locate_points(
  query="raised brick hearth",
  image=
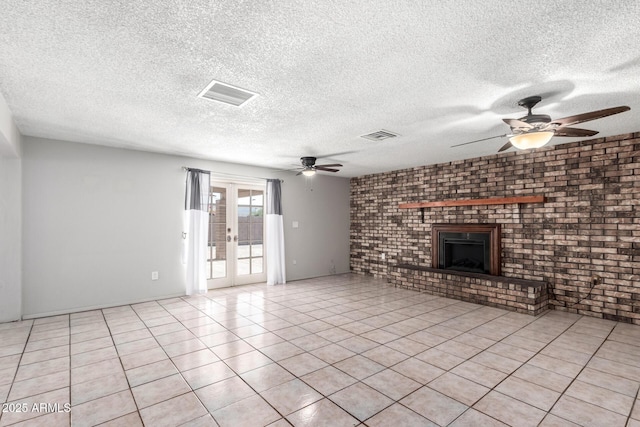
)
(588, 225)
(523, 296)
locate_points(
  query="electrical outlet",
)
(596, 280)
(295, 262)
(154, 275)
(383, 256)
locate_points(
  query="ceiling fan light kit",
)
(525, 141)
(309, 172)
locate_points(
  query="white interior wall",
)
(320, 207)
(10, 239)
(10, 217)
(97, 221)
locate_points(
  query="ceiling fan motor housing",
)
(308, 161)
(536, 120)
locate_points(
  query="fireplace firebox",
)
(472, 248)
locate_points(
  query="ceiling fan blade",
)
(505, 147)
(331, 165)
(564, 131)
(299, 173)
(517, 124)
(341, 153)
(585, 117)
(478, 140)
(320, 168)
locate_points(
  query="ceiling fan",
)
(309, 166)
(536, 130)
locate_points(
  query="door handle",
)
(235, 238)
(228, 238)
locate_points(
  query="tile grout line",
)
(227, 365)
(124, 372)
(509, 375)
(447, 371)
(13, 381)
(576, 378)
(179, 321)
(413, 356)
(172, 362)
(394, 401)
(633, 406)
(300, 379)
(578, 374)
(383, 303)
(273, 361)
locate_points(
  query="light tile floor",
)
(342, 350)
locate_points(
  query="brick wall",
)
(589, 224)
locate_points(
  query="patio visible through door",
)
(236, 235)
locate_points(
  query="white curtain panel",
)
(274, 234)
(196, 226)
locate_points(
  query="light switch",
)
(295, 224)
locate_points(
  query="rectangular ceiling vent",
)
(222, 92)
(380, 135)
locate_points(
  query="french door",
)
(235, 254)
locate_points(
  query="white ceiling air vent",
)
(379, 135)
(222, 92)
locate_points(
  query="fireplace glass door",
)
(472, 248)
(465, 252)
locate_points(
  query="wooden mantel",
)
(474, 202)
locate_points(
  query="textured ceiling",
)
(127, 74)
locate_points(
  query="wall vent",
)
(379, 135)
(222, 92)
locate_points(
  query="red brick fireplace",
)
(587, 225)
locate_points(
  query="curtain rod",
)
(185, 168)
(195, 169)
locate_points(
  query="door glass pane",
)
(244, 250)
(244, 267)
(256, 229)
(250, 231)
(256, 265)
(218, 269)
(244, 197)
(257, 198)
(256, 249)
(217, 246)
(243, 231)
